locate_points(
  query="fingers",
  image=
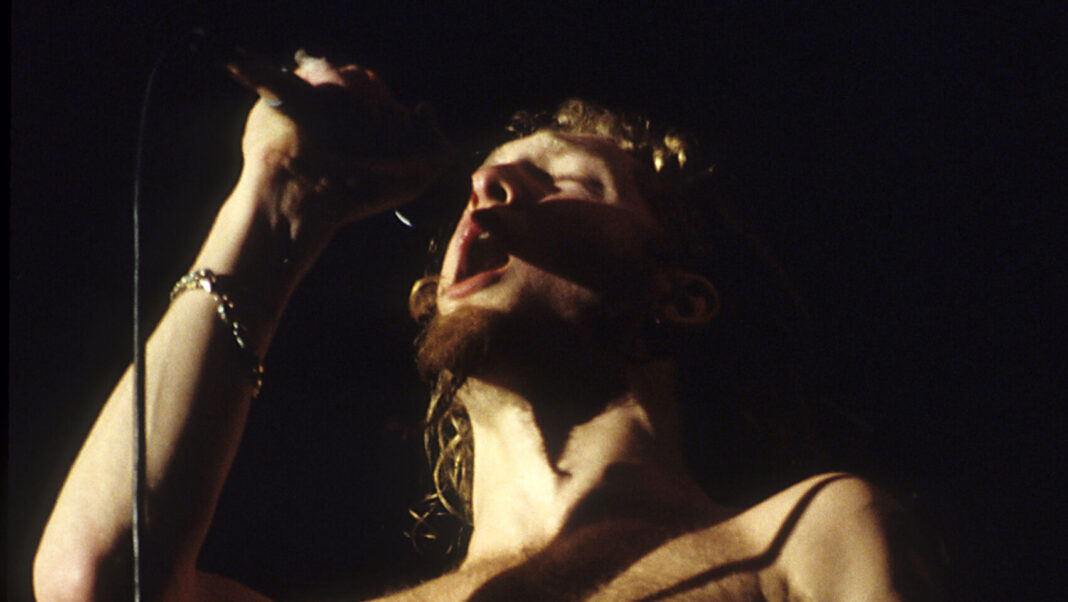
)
(362, 83)
(317, 71)
(346, 132)
(272, 83)
(366, 83)
(269, 82)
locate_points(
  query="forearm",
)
(289, 202)
(198, 389)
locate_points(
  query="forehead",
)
(557, 152)
(594, 160)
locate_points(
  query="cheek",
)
(563, 297)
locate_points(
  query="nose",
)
(508, 183)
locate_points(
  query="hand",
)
(370, 154)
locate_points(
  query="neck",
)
(540, 471)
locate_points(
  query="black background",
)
(901, 160)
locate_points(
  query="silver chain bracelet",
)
(214, 285)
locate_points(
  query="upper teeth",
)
(483, 235)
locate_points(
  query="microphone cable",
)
(139, 344)
(141, 549)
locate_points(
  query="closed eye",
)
(593, 186)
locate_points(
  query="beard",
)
(528, 348)
(458, 343)
(565, 372)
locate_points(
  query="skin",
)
(611, 513)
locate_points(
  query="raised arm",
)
(289, 201)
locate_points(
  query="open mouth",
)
(482, 252)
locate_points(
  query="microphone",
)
(327, 113)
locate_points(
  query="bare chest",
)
(707, 565)
(714, 564)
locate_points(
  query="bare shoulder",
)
(830, 537)
(824, 505)
(837, 536)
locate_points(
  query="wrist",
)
(287, 204)
(261, 241)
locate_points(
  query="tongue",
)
(485, 253)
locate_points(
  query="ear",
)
(688, 300)
(422, 300)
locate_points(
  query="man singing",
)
(550, 341)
